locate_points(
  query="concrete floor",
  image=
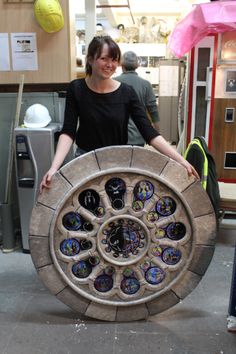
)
(32, 321)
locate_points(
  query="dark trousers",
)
(232, 300)
(79, 152)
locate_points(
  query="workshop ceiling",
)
(127, 11)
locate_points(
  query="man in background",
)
(144, 90)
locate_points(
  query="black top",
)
(103, 117)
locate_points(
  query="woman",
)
(103, 106)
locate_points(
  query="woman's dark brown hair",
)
(95, 49)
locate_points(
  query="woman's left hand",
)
(190, 169)
(165, 148)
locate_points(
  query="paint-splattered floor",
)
(32, 321)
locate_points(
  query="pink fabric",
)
(204, 19)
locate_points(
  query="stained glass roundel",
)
(121, 233)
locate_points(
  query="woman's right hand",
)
(46, 181)
(63, 147)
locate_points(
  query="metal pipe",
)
(130, 12)
(118, 6)
(105, 6)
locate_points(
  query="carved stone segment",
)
(51, 197)
(201, 259)
(132, 313)
(162, 303)
(101, 312)
(73, 300)
(206, 229)
(80, 168)
(118, 157)
(186, 284)
(198, 200)
(177, 175)
(51, 279)
(40, 220)
(40, 252)
(148, 160)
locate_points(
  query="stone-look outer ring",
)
(104, 173)
(118, 159)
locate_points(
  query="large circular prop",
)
(122, 234)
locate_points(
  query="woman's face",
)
(104, 66)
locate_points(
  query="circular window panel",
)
(123, 233)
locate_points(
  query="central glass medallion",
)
(123, 239)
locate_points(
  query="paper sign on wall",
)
(4, 52)
(24, 51)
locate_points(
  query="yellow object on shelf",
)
(49, 15)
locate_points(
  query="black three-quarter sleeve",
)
(71, 112)
(140, 118)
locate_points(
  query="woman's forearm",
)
(160, 144)
(63, 147)
(165, 148)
